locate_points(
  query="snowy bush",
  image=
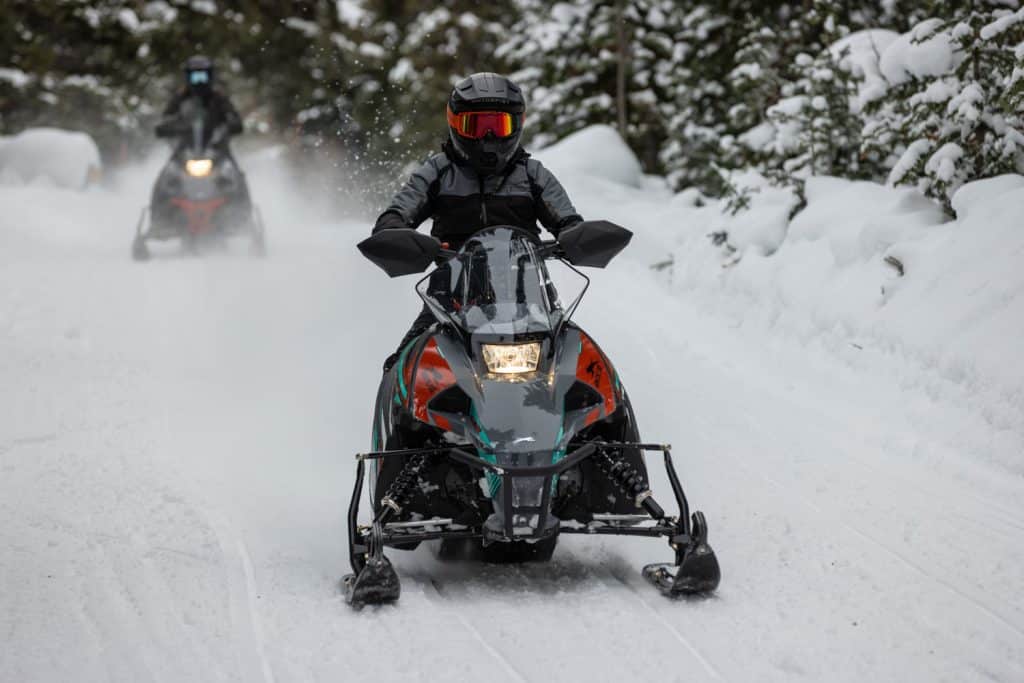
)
(596, 151)
(954, 112)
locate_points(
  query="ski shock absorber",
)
(628, 480)
(400, 491)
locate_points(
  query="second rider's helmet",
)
(199, 74)
(485, 121)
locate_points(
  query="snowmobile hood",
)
(525, 420)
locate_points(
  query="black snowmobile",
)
(201, 195)
(505, 425)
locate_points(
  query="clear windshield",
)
(196, 119)
(496, 285)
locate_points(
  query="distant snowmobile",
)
(505, 425)
(201, 194)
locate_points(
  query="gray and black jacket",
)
(461, 202)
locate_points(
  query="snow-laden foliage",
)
(921, 93)
(583, 61)
(954, 113)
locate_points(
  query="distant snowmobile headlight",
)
(510, 359)
(199, 168)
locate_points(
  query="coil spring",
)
(400, 490)
(621, 473)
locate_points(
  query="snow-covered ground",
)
(177, 437)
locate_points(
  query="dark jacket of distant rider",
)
(222, 119)
(482, 178)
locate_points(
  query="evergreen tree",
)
(965, 124)
(702, 58)
(436, 48)
(599, 61)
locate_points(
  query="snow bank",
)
(50, 156)
(871, 267)
(595, 151)
(858, 221)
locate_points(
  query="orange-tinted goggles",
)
(477, 124)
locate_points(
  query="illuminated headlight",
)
(199, 168)
(509, 359)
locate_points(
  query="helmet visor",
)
(198, 77)
(477, 124)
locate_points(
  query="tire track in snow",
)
(876, 477)
(248, 629)
(593, 574)
(711, 669)
(434, 592)
(838, 521)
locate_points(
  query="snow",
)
(921, 52)
(351, 13)
(862, 51)
(942, 164)
(910, 157)
(16, 77)
(208, 7)
(596, 151)
(176, 448)
(1001, 24)
(310, 29)
(49, 156)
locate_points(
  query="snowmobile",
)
(504, 425)
(201, 195)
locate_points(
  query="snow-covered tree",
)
(960, 119)
(600, 61)
(701, 60)
(439, 46)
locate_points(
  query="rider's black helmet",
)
(199, 74)
(485, 121)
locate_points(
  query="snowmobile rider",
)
(222, 118)
(482, 178)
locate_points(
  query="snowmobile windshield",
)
(496, 286)
(196, 129)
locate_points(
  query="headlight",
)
(509, 359)
(199, 168)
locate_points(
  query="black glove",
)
(389, 220)
(219, 134)
(167, 128)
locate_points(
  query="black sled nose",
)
(696, 568)
(377, 583)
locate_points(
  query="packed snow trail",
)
(176, 459)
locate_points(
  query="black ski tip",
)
(376, 584)
(699, 574)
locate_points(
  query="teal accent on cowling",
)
(493, 483)
(493, 480)
(557, 454)
(401, 368)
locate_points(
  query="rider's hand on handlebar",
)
(389, 221)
